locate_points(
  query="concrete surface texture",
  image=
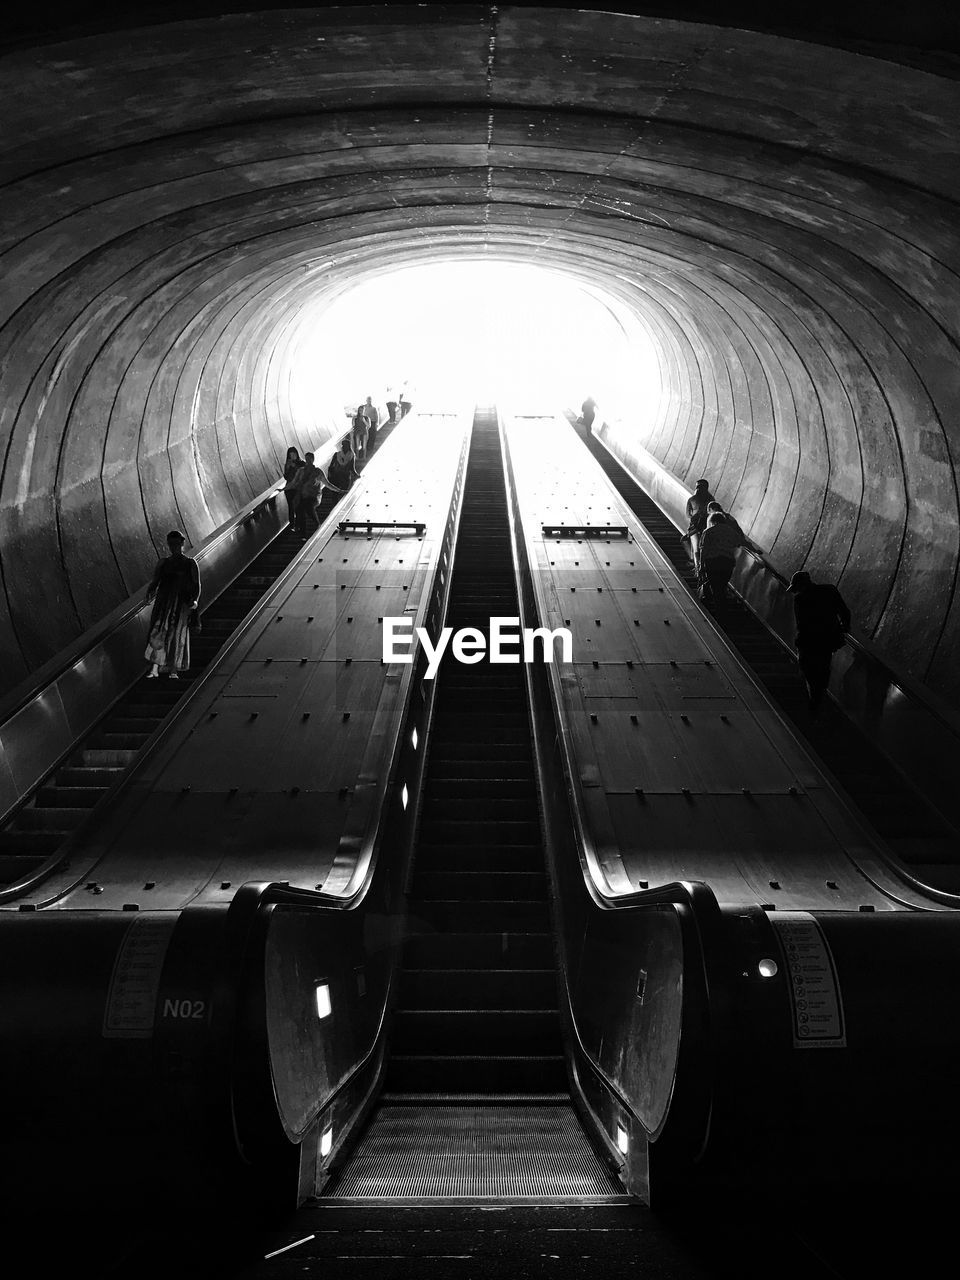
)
(181, 200)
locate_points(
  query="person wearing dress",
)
(175, 592)
(361, 428)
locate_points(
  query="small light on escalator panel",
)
(326, 1141)
(623, 1139)
(324, 1005)
(405, 795)
(414, 739)
(768, 968)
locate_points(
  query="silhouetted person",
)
(405, 404)
(822, 618)
(588, 411)
(291, 466)
(175, 591)
(717, 556)
(359, 433)
(342, 467)
(372, 415)
(715, 506)
(391, 406)
(697, 517)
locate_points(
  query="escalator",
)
(476, 1105)
(923, 841)
(474, 1152)
(35, 832)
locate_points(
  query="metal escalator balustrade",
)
(476, 1104)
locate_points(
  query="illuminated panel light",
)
(324, 1005)
(326, 1141)
(414, 739)
(768, 968)
(623, 1139)
(405, 795)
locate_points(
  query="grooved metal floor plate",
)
(503, 1154)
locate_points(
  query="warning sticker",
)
(814, 990)
(132, 998)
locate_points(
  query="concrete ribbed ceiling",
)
(780, 215)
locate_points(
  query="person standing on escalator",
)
(359, 433)
(822, 619)
(175, 592)
(717, 556)
(372, 415)
(697, 517)
(291, 466)
(311, 483)
(342, 467)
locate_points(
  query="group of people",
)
(175, 587)
(304, 481)
(820, 612)
(395, 401)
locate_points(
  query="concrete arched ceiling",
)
(179, 199)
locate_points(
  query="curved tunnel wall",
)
(779, 217)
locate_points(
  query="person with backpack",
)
(716, 556)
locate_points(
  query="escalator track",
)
(476, 1104)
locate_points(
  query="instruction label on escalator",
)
(132, 999)
(815, 1001)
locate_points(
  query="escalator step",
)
(491, 1073)
(477, 988)
(478, 857)
(438, 830)
(493, 950)
(36, 818)
(57, 797)
(477, 1031)
(476, 916)
(476, 1152)
(469, 885)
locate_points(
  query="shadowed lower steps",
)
(513, 1153)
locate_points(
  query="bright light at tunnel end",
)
(478, 330)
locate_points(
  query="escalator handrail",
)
(695, 898)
